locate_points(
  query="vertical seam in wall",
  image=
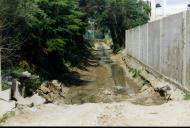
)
(126, 46)
(147, 43)
(160, 69)
(139, 43)
(184, 48)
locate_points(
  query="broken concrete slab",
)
(5, 95)
(6, 107)
(24, 102)
(36, 100)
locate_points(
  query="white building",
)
(161, 8)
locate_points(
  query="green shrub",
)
(135, 72)
(30, 84)
(187, 96)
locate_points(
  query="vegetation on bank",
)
(47, 36)
(187, 96)
(44, 35)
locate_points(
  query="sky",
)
(175, 2)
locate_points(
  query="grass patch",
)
(187, 96)
(6, 116)
(135, 72)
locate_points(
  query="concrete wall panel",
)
(172, 47)
(136, 43)
(144, 44)
(154, 45)
(164, 45)
(187, 52)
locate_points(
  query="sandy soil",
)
(173, 113)
(113, 114)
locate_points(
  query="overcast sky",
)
(174, 2)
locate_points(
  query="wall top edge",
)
(158, 19)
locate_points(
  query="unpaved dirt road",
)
(94, 113)
(113, 114)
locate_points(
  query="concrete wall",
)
(164, 45)
(186, 76)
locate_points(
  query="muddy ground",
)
(110, 96)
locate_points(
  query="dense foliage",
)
(117, 16)
(45, 35)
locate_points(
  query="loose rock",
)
(53, 92)
(36, 100)
(144, 88)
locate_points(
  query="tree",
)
(46, 35)
(7, 42)
(62, 36)
(92, 7)
(118, 16)
(17, 18)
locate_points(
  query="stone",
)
(25, 103)
(44, 84)
(26, 74)
(33, 109)
(36, 100)
(119, 87)
(166, 88)
(64, 89)
(48, 98)
(45, 90)
(108, 92)
(53, 92)
(149, 101)
(56, 83)
(162, 86)
(147, 93)
(144, 88)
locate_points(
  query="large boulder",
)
(53, 92)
